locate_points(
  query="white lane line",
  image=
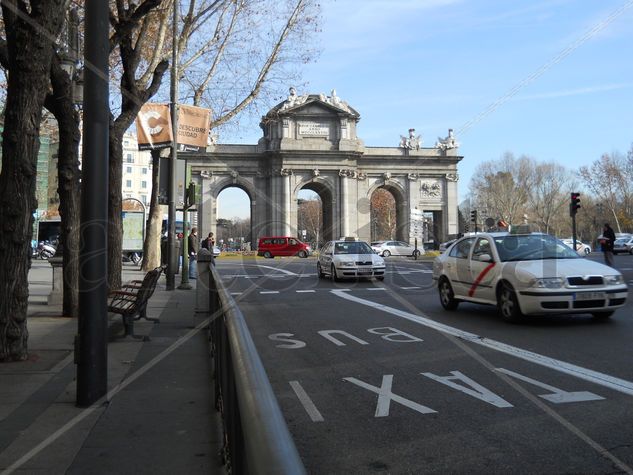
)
(269, 292)
(305, 291)
(410, 288)
(595, 377)
(236, 293)
(376, 288)
(308, 405)
(287, 272)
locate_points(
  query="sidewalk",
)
(159, 417)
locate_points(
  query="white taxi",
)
(349, 258)
(526, 274)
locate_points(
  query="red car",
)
(270, 247)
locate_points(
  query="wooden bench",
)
(131, 301)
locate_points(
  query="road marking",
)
(305, 291)
(611, 382)
(385, 396)
(236, 293)
(558, 396)
(410, 288)
(287, 272)
(376, 288)
(470, 387)
(269, 292)
(308, 405)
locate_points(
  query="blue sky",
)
(549, 79)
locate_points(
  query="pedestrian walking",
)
(193, 246)
(608, 238)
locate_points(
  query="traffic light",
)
(574, 205)
(190, 195)
(473, 216)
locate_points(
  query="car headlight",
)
(613, 279)
(346, 264)
(547, 283)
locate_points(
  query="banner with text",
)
(193, 127)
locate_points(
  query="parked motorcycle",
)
(45, 250)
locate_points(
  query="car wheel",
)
(386, 253)
(333, 275)
(447, 297)
(508, 305)
(320, 271)
(268, 255)
(602, 315)
(416, 253)
(587, 251)
(631, 251)
(380, 277)
(303, 254)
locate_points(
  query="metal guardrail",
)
(257, 439)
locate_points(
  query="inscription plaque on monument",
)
(318, 129)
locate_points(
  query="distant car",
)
(270, 247)
(216, 251)
(396, 248)
(526, 274)
(446, 245)
(623, 245)
(348, 258)
(581, 248)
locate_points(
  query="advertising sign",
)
(193, 127)
(153, 127)
(133, 230)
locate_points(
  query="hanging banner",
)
(193, 127)
(153, 127)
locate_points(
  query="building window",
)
(144, 171)
(128, 169)
(128, 183)
(143, 184)
(144, 199)
(129, 158)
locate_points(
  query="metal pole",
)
(172, 260)
(91, 342)
(184, 278)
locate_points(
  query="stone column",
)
(451, 225)
(343, 174)
(285, 201)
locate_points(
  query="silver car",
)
(623, 245)
(347, 258)
(396, 248)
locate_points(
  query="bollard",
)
(56, 297)
(204, 275)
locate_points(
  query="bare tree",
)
(610, 179)
(232, 55)
(310, 218)
(501, 187)
(383, 215)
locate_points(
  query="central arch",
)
(326, 196)
(401, 206)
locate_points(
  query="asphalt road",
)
(376, 377)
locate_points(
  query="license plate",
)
(364, 271)
(590, 296)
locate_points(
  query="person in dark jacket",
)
(193, 246)
(608, 238)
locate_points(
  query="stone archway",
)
(401, 207)
(326, 195)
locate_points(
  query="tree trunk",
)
(115, 221)
(29, 46)
(60, 103)
(151, 246)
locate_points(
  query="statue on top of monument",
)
(293, 99)
(412, 142)
(448, 142)
(334, 100)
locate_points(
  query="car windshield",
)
(532, 247)
(352, 248)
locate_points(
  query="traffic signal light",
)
(574, 205)
(473, 216)
(190, 195)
